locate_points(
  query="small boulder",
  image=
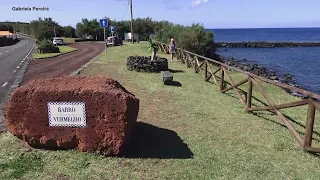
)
(274, 78)
(110, 110)
(167, 77)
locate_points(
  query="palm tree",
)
(154, 47)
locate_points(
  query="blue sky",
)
(212, 13)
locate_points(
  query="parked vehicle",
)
(114, 41)
(57, 41)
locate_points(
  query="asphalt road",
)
(12, 59)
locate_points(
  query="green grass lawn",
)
(69, 40)
(187, 132)
(63, 49)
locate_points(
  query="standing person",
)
(172, 48)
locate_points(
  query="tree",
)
(68, 31)
(6, 27)
(95, 28)
(45, 28)
(192, 38)
(89, 27)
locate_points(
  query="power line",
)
(126, 10)
(131, 18)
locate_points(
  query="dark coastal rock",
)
(288, 76)
(263, 72)
(274, 78)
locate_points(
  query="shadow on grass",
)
(173, 83)
(290, 119)
(175, 71)
(261, 115)
(149, 141)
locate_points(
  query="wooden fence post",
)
(183, 60)
(249, 94)
(177, 54)
(187, 59)
(222, 79)
(309, 124)
(206, 70)
(195, 64)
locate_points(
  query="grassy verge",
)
(187, 132)
(63, 50)
(69, 40)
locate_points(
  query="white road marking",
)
(18, 67)
(29, 52)
(20, 63)
(8, 51)
(14, 71)
(12, 49)
(4, 84)
(24, 43)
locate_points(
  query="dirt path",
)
(63, 65)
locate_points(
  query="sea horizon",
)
(301, 62)
(265, 28)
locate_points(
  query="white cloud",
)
(196, 3)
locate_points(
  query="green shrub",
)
(45, 43)
(191, 38)
(46, 46)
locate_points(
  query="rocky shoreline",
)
(265, 44)
(263, 71)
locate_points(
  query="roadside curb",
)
(56, 55)
(78, 71)
(15, 84)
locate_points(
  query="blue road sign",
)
(112, 28)
(103, 23)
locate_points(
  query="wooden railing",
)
(200, 63)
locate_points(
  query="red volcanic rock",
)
(111, 113)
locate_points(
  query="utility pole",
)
(105, 41)
(132, 35)
(70, 31)
(54, 30)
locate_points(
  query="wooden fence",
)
(200, 63)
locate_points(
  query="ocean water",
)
(268, 34)
(302, 62)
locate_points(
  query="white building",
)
(127, 37)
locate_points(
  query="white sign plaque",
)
(67, 114)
